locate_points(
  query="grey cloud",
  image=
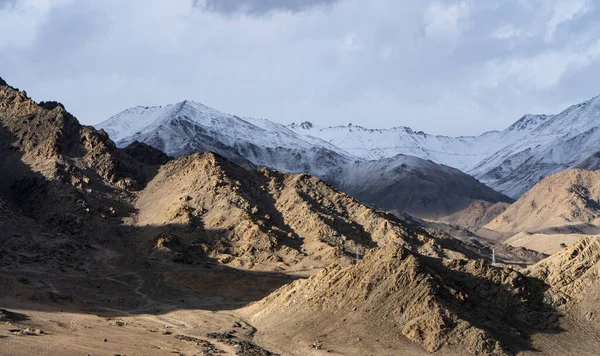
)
(257, 7)
(7, 3)
(367, 62)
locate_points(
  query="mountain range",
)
(110, 250)
(401, 182)
(510, 161)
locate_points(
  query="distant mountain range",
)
(399, 182)
(510, 161)
(396, 169)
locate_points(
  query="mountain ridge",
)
(510, 161)
(126, 250)
(186, 127)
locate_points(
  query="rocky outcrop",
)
(53, 142)
(433, 302)
(574, 279)
(264, 216)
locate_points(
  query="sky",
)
(452, 67)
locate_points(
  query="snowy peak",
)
(306, 125)
(528, 122)
(189, 118)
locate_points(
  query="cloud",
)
(565, 11)
(441, 66)
(7, 3)
(508, 32)
(543, 70)
(257, 7)
(446, 21)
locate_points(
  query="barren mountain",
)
(266, 217)
(446, 305)
(476, 215)
(566, 199)
(573, 277)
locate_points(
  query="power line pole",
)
(493, 257)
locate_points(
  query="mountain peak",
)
(528, 122)
(305, 125)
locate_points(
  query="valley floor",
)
(165, 309)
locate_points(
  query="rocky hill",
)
(265, 217)
(573, 277)
(566, 199)
(442, 305)
(476, 215)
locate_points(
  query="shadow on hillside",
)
(59, 258)
(511, 312)
(136, 281)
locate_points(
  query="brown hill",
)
(476, 215)
(127, 251)
(60, 178)
(446, 305)
(254, 218)
(574, 279)
(568, 198)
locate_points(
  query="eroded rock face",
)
(262, 216)
(168, 247)
(433, 302)
(47, 134)
(574, 279)
(58, 180)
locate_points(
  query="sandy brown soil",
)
(545, 243)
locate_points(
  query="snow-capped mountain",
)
(462, 152)
(555, 143)
(188, 127)
(510, 161)
(403, 183)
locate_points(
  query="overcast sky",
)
(452, 67)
